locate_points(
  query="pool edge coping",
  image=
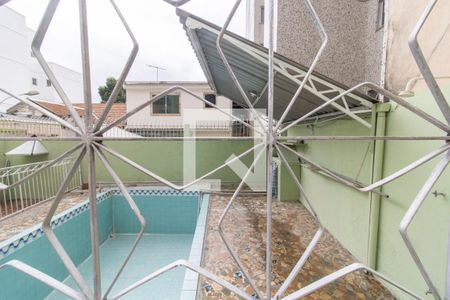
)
(191, 278)
(26, 236)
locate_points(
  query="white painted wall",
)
(192, 110)
(70, 80)
(14, 72)
(255, 30)
(18, 67)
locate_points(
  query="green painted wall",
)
(165, 158)
(345, 212)
(339, 207)
(287, 188)
(55, 149)
(429, 230)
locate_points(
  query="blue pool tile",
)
(172, 221)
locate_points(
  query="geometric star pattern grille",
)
(89, 134)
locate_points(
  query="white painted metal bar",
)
(187, 265)
(119, 84)
(324, 41)
(261, 93)
(42, 127)
(392, 97)
(380, 183)
(290, 139)
(316, 285)
(174, 138)
(167, 182)
(44, 278)
(411, 213)
(91, 134)
(201, 129)
(43, 111)
(31, 187)
(53, 239)
(36, 49)
(41, 138)
(88, 130)
(45, 167)
(233, 253)
(271, 139)
(423, 65)
(228, 66)
(315, 240)
(136, 212)
(177, 3)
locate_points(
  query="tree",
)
(106, 90)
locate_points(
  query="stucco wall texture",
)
(355, 46)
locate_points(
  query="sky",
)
(162, 40)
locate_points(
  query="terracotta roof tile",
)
(117, 110)
(59, 109)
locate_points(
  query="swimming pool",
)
(175, 230)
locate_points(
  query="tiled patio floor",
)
(293, 228)
(35, 215)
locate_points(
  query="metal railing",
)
(200, 129)
(41, 187)
(13, 126)
(40, 127)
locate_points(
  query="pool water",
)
(154, 252)
(175, 230)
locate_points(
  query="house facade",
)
(23, 120)
(179, 111)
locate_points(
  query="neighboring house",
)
(367, 40)
(70, 80)
(21, 117)
(178, 111)
(18, 126)
(59, 109)
(19, 70)
(116, 111)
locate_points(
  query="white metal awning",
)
(249, 62)
(30, 148)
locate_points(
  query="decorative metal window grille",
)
(89, 136)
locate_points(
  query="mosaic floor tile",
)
(293, 228)
(35, 215)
